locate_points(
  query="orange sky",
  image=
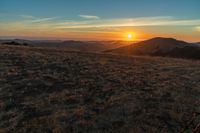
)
(100, 19)
(101, 29)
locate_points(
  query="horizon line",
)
(84, 39)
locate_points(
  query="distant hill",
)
(161, 47)
(15, 43)
(197, 44)
(87, 46)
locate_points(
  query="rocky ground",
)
(49, 90)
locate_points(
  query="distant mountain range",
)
(88, 46)
(161, 47)
(197, 44)
(158, 46)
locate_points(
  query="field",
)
(49, 90)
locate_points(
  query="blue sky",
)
(106, 18)
(103, 8)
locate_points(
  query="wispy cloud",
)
(134, 22)
(60, 26)
(89, 17)
(27, 16)
(198, 28)
(38, 20)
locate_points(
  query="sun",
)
(130, 36)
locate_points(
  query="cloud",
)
(38, 20)
(132, 22)
(89, 17)
(74, 22)
(198, 28)
(27, 16)
(59, 24)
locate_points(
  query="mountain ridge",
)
(160, 46)
(74, 45)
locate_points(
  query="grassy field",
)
(49, 90)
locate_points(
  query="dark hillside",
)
(50, 90)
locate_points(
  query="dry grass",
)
(48, 90)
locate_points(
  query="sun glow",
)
(129, 36)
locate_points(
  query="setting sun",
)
(130, 36)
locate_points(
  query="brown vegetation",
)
(166, 47)
(49, 90)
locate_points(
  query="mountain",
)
(197, 44)
(15, 43)
(71, 45)
(159, 46)
(87, 46)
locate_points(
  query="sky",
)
(100, 19)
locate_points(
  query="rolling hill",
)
(161, 47)
(70, 45)
(197, 44)
(50, 90)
